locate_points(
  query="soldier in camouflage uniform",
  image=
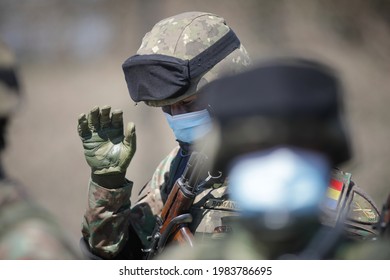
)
(176, 59)
(26, 230)
(277, 141)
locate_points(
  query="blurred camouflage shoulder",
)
(368, 250)
(239, 245)
(346, 202)
(28, 231)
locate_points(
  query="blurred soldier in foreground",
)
(176, 59)
(26, 230)
(279, 130)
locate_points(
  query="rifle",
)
(172, 225)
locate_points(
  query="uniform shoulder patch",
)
(336, 191)
(335, 197)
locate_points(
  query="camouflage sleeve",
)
(108, 215)
(106, 219)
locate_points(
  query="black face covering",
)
(158, 77)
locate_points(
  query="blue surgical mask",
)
(189, 127)
(288, 180)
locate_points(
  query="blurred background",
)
(70, 55)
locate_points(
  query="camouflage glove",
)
(107, 150)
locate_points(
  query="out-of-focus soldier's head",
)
(280, 102)
(10, 93)
(278, 132)
(177, 58)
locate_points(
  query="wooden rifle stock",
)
(172, 225)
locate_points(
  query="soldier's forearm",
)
(106, 219)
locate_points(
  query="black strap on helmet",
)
(207, 59)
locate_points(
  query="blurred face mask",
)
(279, 183)
(190, 126)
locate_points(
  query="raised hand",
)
(107, 148)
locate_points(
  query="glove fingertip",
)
(130, 133)
(82, 117)
(131, 127)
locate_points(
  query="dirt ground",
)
(45, 152)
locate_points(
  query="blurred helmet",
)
(194, 48)
(283, 102)
(9, 85)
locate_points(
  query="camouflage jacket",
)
(110, 224)
(109, 216)
(27, 231)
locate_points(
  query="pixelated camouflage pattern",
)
(9, 99)
(150, 201)
(106, 218)
(27, 231)
(186, 35)
(107, 231)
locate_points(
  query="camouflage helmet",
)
(9, 86)
(186, 35)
